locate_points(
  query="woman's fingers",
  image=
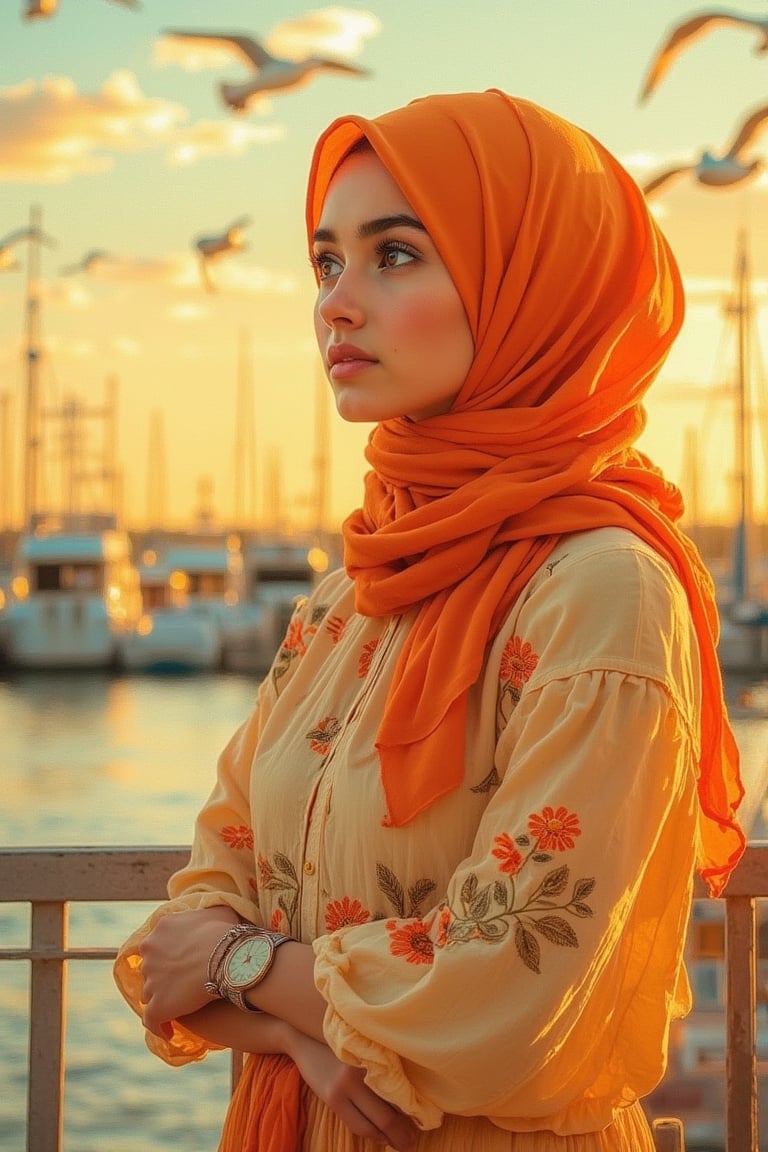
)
(344, 1090)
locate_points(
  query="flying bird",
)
(8, 261)
(95, 256)
(719, 171)
(273, 73)
(694, 29)
(41, 9)
(213, 247)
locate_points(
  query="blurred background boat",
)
(74, 594)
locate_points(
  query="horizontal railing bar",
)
(87, 874)
(750, 876)
(58, 953)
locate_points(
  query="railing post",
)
(741, 1036)
(46, 1030)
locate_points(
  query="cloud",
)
(181, 271)
(326, 31)
(50, 132)
(218, 138)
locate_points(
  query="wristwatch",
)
(240, 961)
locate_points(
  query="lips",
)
(339, 353)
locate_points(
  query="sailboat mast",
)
(742, 308)
(32, 356)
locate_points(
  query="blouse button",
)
(309, 868)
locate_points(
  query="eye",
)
(393, 253)
(325, 264)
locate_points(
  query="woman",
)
(461, 824)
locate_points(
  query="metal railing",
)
(50, 879)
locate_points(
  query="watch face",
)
(247, 959)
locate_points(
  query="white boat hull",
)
(172, 640)
(60, 631)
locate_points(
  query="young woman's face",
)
(391, 328)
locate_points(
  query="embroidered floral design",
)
(366, 656)
(490, 912)
(237, 837)
(412, 941)
(279, 875)
(554, 829)
(418, 892)
(518, 663)
(335, 628)
(295, 641)
(505, 850)
(322, 737)
(276, 920)
(340, 913)
(492, 780)
(319, 612)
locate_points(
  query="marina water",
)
(100, 760)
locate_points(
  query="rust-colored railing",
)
(50, 879)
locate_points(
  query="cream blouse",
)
(515, 952)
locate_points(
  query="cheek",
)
(429, 320)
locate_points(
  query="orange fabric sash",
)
(265, 1113)
(573, 298)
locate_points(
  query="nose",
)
(340, 301)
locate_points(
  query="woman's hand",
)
(344, 1090)
(174, 964)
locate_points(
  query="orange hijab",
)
(573, 298)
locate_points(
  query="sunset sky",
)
(122, 141)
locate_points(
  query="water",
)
(94, 760)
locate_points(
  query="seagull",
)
(42, 9)
(273, 73)
(719, 171)
(213, 247)
(694, 29)
(7, 260)
(95, 256)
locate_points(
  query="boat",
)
(171, 637)
(278, 573)
(74, 593)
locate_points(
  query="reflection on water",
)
(90, 759)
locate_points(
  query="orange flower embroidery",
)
(335, 628)
(294, 637)
(443, 924)
(505, 851)
(554, 829)
(265, 870)
(340, 913)
(240, 837)
(412, 941)
(518, 662)
(321, 737)
(276, 921)
(366, 656)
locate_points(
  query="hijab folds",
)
(573, 298)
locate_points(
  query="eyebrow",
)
(373, 227)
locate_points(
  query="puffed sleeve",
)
(539, 990)
(220, 871)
